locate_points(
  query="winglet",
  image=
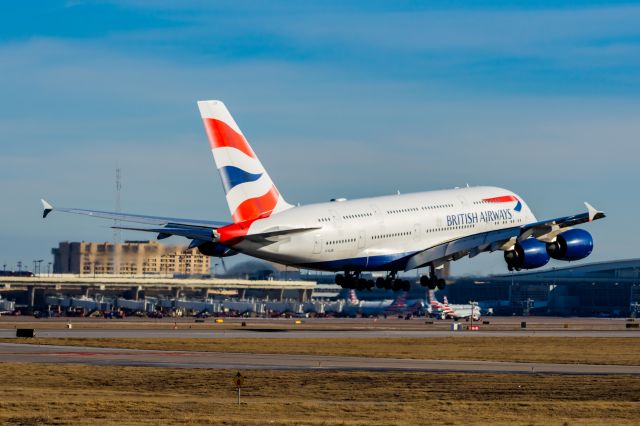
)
(593, 213)
(46, 208)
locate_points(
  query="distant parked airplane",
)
(399, 305)
(462, 311)
(390, 233)
(445, 310)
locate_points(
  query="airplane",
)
(381, 307)
(462, 311)
(436, 308)
(456, 312)
(355, 306)
(392, 233)
(406, 306)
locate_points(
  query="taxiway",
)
(10, 352)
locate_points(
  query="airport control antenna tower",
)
(117, 233)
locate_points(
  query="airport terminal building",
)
(128, 258)
(603, 288)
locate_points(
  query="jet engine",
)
(573, 244)
(527, 254)
(212, 249)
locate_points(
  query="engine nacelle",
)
(573, 244)
(527, 254)
(212, 249)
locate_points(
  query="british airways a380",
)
(392, 233)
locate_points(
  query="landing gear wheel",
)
(388, 284)
(424, 281)
(406, 285)
(441, 284)
(380, 282)
(362, 284)
(433, 282)
(340, 279)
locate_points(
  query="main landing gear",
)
(352, 280)
(432, 281)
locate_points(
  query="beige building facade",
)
(128, 258)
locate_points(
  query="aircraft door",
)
(377, 214)
(335, 217)
(416, 231)
(317, 244)
(361, 239)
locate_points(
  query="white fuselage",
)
(381, 233)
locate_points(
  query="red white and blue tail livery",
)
(250, 192)
(390, 233)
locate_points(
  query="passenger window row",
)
(397, 234)
(449, 228)
(416, 209)
(357, 215)
(348, 240)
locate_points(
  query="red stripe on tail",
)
(255, 208)
(221, 135)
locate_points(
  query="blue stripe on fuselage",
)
(387, 262)
(232, 176)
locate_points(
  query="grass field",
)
(601, 350)
(76, 394)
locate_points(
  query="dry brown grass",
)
(573, 350)
(78, 394)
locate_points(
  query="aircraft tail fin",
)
(432, 299)
(250, 192)
(399, 302)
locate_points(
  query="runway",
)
(200, 333)
(10, 352)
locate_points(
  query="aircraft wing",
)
(170, 222)
(538, 229)
(473, 245)
(460, 247)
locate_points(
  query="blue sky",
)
(337, 98)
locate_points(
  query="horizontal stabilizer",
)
(136, 218)
(193, 233)
(46, 208)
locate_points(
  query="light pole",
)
(19, 265)
(49, 269)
